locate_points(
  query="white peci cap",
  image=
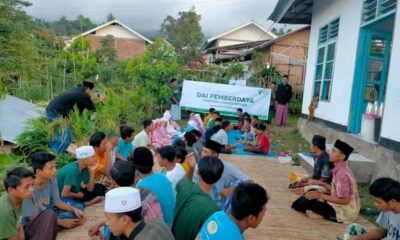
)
(84, 152)
(122, 199)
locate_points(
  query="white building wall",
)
(324, 11)
(391, 116)
(249, 33)
(116, 31)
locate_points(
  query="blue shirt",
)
(162, 188)
(231, 177)
(124, 149)
(219, 226)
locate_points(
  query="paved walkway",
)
(280, 222)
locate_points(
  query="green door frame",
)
(358, 105)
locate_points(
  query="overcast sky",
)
(147, 15)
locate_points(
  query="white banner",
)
(201, 96)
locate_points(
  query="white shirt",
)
(141, 139)
(220, 137)
(176, 174)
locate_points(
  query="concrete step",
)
(362, 167)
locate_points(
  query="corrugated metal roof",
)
(292, 12)
(14, 112)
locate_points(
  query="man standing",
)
(175, 99)
(283, 97)
(62, 105)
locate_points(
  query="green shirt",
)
(9, 218)
(193, 207)
(211, 123)
(70, 175)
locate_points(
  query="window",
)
(374, 9)
(325, 60)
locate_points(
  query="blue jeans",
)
(62, 139)
(69, 215)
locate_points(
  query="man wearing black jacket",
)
(283, 96)
(62, 105)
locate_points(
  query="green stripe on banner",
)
(223, 113)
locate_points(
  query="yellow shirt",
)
(102, 159)
(206, 119)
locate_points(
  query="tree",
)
(184, 33)
(108, 59)
(110, 17)
(154, 70)
(280, 31)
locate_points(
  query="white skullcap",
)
(122, 199)
(84, 152)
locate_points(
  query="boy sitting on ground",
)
(123, 211)
(386, 193)
(158, 183)
(47, 196)
(248, 209)
(322, 172)
(166, 159)
(263, 143)
(76, 180)
(103, 153)
(193, 202)
(222, 137)
(125, 148)
(121, 174)
(343, 203)
(18, 184)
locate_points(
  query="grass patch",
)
(288, 139)
(366, 199)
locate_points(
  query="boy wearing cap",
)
(322, 172)
(222, 190)
(46, 196)
(123, 211)
(121, 174)
(248, 209)
(76, 180)
(343, 203)
(158, 183)
(193, 202)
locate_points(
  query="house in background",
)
(234, 42)
(128, 43)
(288, 53)
(353, 61)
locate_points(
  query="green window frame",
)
(375, 9)
(326, 53)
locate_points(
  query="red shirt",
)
(263, 143)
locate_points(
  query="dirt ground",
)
(280, 222)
